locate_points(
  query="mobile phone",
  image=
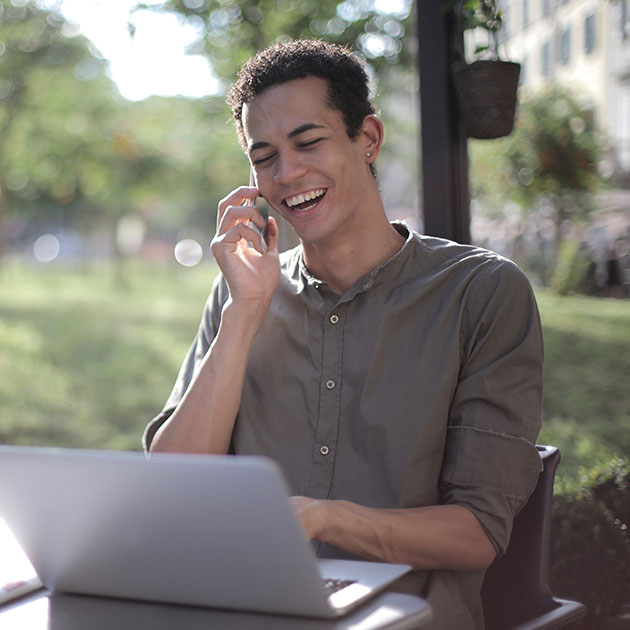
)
(263, 212)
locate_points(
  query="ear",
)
(371, 137)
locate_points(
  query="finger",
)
(271, 234)
(239, 214)
(237, 197)
(240, 232)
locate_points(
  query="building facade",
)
(583, 45)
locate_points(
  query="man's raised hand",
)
(252, 272)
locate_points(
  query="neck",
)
(341, 264)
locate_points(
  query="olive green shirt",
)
(420, 385)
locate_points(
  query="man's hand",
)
(433, 537)
(251, 272)
(309, 514)
(203, 421)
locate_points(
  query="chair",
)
(515, 592)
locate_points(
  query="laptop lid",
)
(192, 529)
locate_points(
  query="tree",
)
(553, 156)
(41, 63)
(231, 31)
(548, 168)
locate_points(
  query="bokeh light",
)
(46, 248)
(188, 252)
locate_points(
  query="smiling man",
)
(395, 377)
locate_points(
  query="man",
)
(396, 378)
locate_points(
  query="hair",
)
(348, 83)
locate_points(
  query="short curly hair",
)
(348, 82)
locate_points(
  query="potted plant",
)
(486, 88)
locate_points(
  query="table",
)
(43, 610)
(63, 611)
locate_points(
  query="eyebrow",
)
(296, 132)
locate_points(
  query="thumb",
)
(272, 234)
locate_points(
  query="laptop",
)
(201, 530)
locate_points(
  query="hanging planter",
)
(487, 94)
(487, 88)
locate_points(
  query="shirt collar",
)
(383, 271)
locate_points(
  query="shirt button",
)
(334, 319)
(324, 450)
(330, 384)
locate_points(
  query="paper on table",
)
(17, 576)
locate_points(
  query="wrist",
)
(327, 522)
(246, 312)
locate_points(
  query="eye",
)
(262, 160)
(309, 143)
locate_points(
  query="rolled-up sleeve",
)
(491, 465)
(210, 320)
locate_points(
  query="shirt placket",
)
(327, 429)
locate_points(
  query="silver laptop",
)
(213, 531)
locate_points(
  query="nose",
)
(289, 167)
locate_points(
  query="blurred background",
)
(116, 146)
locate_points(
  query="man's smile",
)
(304, 201)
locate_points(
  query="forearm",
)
(435, 537)
(203, 421)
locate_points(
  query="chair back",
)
(516, 586)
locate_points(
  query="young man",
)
(396, 378)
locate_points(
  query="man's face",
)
(305, 165)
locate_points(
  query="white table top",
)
(63, 611)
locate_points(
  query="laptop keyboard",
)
(332, 585)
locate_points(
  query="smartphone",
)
(263, 212)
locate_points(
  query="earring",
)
(368, 155)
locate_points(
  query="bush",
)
(574, 271)
(590, 545)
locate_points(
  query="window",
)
(506, 20)
(565, 46)
(545, 61)
(525, 13)
(546, 8)
(624, 129)
(589, 34)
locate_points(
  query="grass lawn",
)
(86, 360)
(586, 404)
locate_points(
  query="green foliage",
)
(74, 155)
(552, 154)
(548, 166)
(483, 14)
(555, 147)
(193, 160)
(590, 554)
(586, 398)
(32, 38)
(231, 31)
(574, 270)
(44, 69)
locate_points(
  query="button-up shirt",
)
(420, 385)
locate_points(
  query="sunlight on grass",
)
(89, 356)
(586, 404)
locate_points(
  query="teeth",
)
(313, 194)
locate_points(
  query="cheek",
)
(263, 181)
